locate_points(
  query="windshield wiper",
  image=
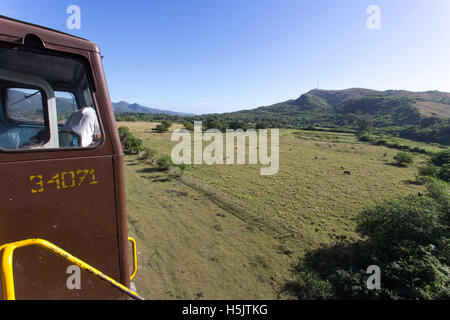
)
(25, 98)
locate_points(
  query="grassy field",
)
(226, 232)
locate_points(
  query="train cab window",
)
(66, 104)
(46, 102)
(23, 108)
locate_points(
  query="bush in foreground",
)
(407, 237)
(131, 144)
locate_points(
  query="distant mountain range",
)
(125, 107)
(67, 106)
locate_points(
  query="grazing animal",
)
(347, 172)
(419, 194)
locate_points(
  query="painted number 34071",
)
(63, 180)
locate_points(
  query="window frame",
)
(12, 121)
(91, 86)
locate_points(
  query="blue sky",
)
(207, 56)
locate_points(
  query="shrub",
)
(414, 219)
(131, 144)
(161, 128)
(188, 126)
(148, 153)
(123, 130)
(429, 170)
(403, 159)
(237, 124)
(440, 192)
(441, 158)
(309, 286)
(419, 150)
(365, 137)
(393, 145)
(164, 162)
(438, 166)
(166, 123)
(182, 166)
(444, 172)
(262, 125)
(407, 237)
(410, 238)
(213, 124)
(365, 123)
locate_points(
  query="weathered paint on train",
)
(72, 197)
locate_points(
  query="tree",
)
(262, 125)
(438, 166)
(365, 123)
(407, 238)
(441, 158)
(164, 162)
(161, 128)
(213, 124)
(132, 144)
(123, 130)
(166, 123)
(188, 126)
(430, 170)
(237, 124)
(410, 219)
(403, 159)
(148, 153)
(444, 172)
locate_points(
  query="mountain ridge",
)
(126, 107)
(429, 103)
(422, 116)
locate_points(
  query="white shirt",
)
(85, 123)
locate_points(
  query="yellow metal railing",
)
(133, 246)
(7, 266)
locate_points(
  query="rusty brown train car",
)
(61, 165)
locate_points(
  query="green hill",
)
(422, 116)
(430, 103)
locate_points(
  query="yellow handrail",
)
(7, 266)
(133, 245)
